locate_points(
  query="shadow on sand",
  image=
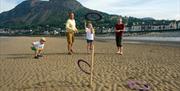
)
(30, 56)
(52, 84)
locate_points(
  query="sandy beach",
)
(158, 65)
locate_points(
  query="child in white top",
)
(38, 47)
(89, 36)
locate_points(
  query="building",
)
(136, 28)
(163, 26)
(178, 24)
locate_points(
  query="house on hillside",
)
(173, 25)
(163, 26)
(178, 24)
(136, 28)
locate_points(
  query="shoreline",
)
(126, 40)
(130, 40)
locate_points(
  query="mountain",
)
(54, 13)
(148, 18)
(34, 14)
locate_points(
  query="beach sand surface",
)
(157, 65)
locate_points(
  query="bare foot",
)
(121, 53)
(69, 53)
(72, 51)
(36, 57)
(118, 52)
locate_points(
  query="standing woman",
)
(71, 29)
(119, 30)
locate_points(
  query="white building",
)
(172, 25)
(136, 28)
(178, 25)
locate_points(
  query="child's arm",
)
(123, 30)
(92, 30)
(32, 43)
(94, 33)
(76, 30)
(115, 29)
(40, 49)
(85, 26)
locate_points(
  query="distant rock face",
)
(56, 0)
(38, 12)
(148, 18)
(71, 4)
(33, 2)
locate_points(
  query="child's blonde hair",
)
(43, 39)
(89, 23)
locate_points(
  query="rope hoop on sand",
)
(80, 61)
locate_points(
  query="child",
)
(38, 47)
(89, 36)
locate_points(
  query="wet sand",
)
(158, 65)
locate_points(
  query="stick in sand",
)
(92, 66)
(92, 16)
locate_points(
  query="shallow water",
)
(168, 39)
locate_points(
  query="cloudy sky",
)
(158, 9)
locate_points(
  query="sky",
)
(158, 9)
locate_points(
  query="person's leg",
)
(40, 53)
(72, 38)
(69, 48)
(117, 44)
(88, 46)
(121, 46)
(91, 45)
(118, 50)
(121, 50)
(36, 54)
(69, 40)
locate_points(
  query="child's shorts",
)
(33, 48)
(89, 41)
